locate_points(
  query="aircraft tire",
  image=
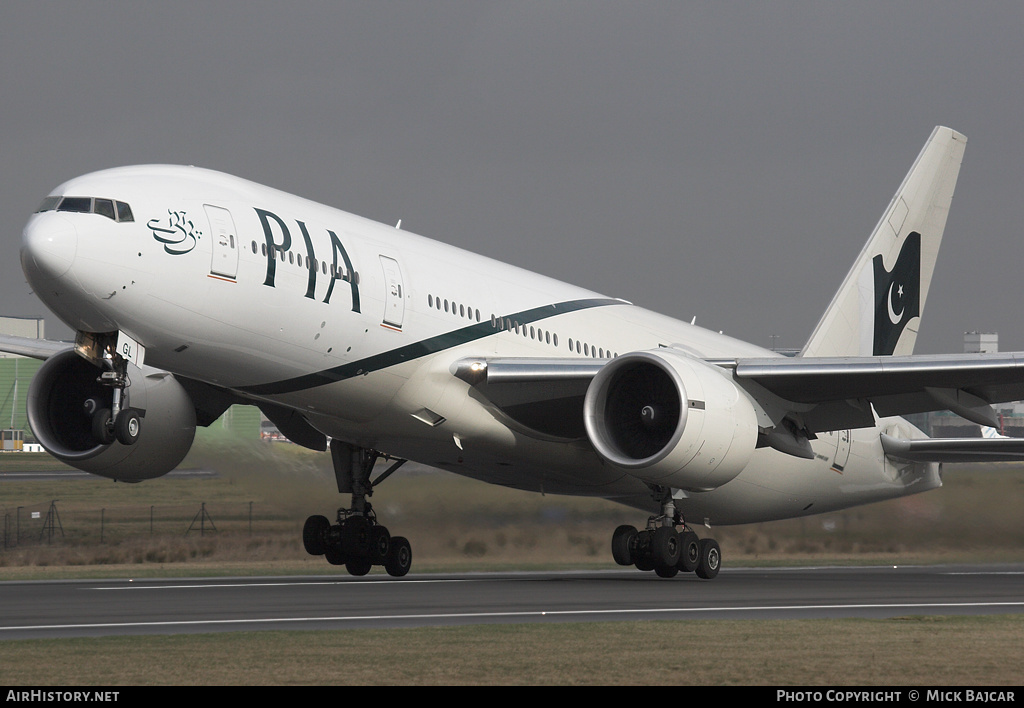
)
(665, 571)
(359, 566)
(710, 559)
(334, 555)
(128, 426)
(399, 559)
(623, 543)
(689, 552)
(313, 532)
(355, 537)
(665, 546)
(101, 431)
(380, 543)
(644, 562)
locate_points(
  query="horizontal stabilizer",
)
(955, 449)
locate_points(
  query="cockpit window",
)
(49, 204)
(79, 205)
(113, 210)
(124, 212)
(104, 207)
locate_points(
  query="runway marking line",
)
(491, 615)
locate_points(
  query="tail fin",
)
(877, 310)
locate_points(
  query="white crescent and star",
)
(895, 317)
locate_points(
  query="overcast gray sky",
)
(718, 159)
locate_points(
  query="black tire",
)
(102, 431)
(644, 563)
(623, 543)
(360, 566)
(334, 555)
(355, 537)
(380, 543)
(689, 552)
(642, 558)
(665, 572)
(710, 559)
(128, 426)
(399, 559)
(665, 547)
(313, 533)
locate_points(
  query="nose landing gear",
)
(110, 419)
(357, 541)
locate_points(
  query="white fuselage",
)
(357, 325)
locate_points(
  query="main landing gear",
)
(664, 549)
(357, 541)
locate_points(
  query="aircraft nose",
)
(48, 246)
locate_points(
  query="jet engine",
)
(66, 390)
(670, 419)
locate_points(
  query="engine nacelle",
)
(670, 419)
(58, 418)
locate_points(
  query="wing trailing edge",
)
(955, 449)
(829, 393)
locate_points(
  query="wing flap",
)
(955, 449)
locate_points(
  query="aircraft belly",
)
(778, 486)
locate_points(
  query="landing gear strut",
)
(664, 549)
(357, 540)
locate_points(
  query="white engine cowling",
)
(670, 419)
(58, 418)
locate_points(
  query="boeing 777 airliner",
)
(191, 290)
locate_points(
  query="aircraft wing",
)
(955, 449)
(833, 393)
(815, 394)
(32, 348)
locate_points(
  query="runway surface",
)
(105, 607)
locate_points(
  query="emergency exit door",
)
(225, 242)
(394, 295)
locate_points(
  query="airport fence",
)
(49, 523)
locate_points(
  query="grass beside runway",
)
(255, 508)
(914, 651)
(120, 530)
